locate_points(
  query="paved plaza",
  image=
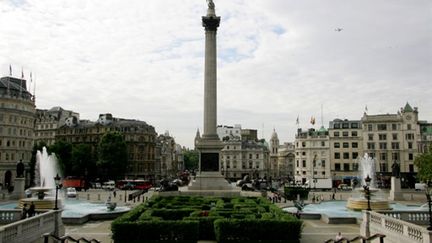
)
(314, 231)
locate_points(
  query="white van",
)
(109, 185)
(420, 186)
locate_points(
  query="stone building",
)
(312, 155)
(47, 122)
(393, 138)
(140, 139)
(425, 141)
(17, 112)
(240, 158)
(286, 162)
(346, 146)
(273, 166)
(228, 131)
(169, 157)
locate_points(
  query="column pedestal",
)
(395, 191)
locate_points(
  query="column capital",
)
(210, 23)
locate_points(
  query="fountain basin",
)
(47, 203)
(362, 204)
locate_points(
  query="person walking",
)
(338, 236)
(24, 211)
(31, 211)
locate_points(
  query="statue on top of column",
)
(210, 4)
(395, 169)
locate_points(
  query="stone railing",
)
(394, 227)
(415, 217)
(32, 229)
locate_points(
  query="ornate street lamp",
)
(367, 191)
(428, 193)
(58, 186)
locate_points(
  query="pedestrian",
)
(24, 211)
(114, 193)
(339, 236)
(31, 211)
(298, 214)
(333, 196)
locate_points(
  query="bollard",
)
(99, 197)
(88, 197)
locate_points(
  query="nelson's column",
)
(209, 177)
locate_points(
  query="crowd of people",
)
(28, 212)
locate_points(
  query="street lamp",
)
(367, 192)
(58, 186)
(428, 193)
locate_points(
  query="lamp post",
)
(428, 193)
(367, 191)
(58, 185)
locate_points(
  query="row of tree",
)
(107, 160)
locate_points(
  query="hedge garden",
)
(189, 219)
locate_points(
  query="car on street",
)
(71, 192)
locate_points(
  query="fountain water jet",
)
(45, 171)
(367, 165)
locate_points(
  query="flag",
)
(366, 109)
(10, 70)
(22, 73)
(297, 121)
(312, 120)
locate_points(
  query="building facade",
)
(140, 139)
(17, 113)
(227, 132)
(48, 121)
(346, 147)
(169, 157)
(312, 155)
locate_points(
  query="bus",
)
(134, 184)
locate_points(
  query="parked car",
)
(109, 185)
(420, 186)
(71, 192)
(344, 187)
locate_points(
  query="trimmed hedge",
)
(139, 231)
(187, 219)
(232, 230)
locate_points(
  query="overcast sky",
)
(277, 59)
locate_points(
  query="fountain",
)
(46, 170)
(367, 165)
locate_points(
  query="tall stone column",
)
(209, 177)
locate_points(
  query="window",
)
(345, 134)
(346, 167)
(383, 145)
(336, 145)
(395, 145)
(408, 126)
(323, 163)
(297, 163)
(303, 144)
(337, 167)
(354, 125)
(345, 125)
(304, 163)
(354, 134)
(410, 156)
(394, 127)
(372, 155)
(410, 145)
(382, 136)
(395, 156)
(303, 153)
(337, 126)
(382, 127)
(257, 156)
(411, 168)
(354, 155)
(394, 136)
(345, 145)
(383, 156)
(371, 145)
(250, 164)
(336, 134)
(346, 155)
(409, 136)
(383, 167)
(369, 127)
(322, 144)
(337, 155)
(354, 145)
(355, 167)
(370, 137)
(250, 156)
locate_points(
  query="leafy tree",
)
(83, 160)
(112, 155)
(424, 165)
(191, 159)
(63, 152)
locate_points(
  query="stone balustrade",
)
(30, 229)
(394, 226)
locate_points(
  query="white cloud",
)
(277, 59)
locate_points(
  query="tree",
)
(83, 160)
(424, 165)
(191, 159)
(63, 152)
(112, 155)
